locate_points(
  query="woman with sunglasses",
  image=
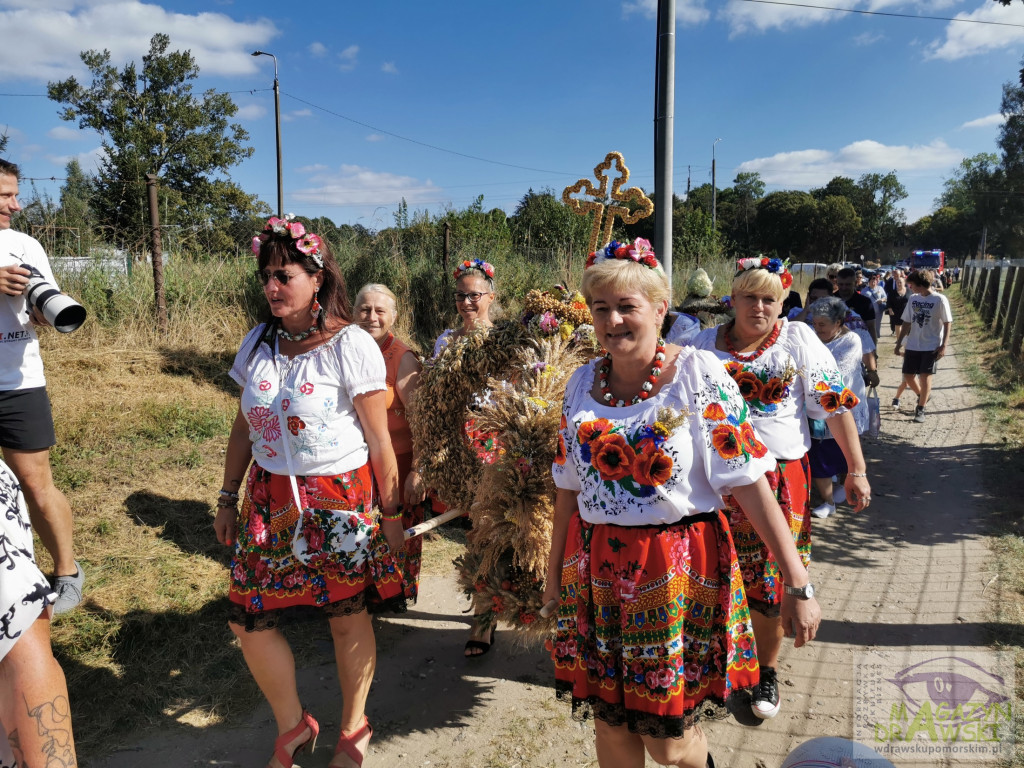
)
(311, 424)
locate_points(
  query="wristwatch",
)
(804, 593)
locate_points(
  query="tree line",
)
(152, 122)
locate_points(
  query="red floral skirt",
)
(653, 627)
(790, 482)
(270, 586)
(411, 556)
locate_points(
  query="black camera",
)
(62, 312)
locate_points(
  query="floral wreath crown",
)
(640, 251)
(775, 266)
(485, 267)
(306, 242)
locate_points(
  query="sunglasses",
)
(282, 277)
(472, 298)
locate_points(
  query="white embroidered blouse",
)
(318, 388)
(630, 470)
(794, 379)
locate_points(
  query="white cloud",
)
(348, 58)
(688, 12)
(756, 17)
(356, 185)
(296, 114)
(67, 133)
(808, 168)
(964, 40)
(42, 40)
(315, 168)
(867, 38)
(985, 122)
(389, 67)
(318, 49)
(90, 161)
(375, 137)
(251, 112)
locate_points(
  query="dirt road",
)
(909, 574)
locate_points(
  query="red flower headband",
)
(640, 251)
(483, 266)
(306, 242)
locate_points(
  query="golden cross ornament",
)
(603, 206)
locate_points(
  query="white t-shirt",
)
(684, 328)
(926, 315)
(626, 473)
(794, 379)
(443, 341)
(321, 423)
(21, 366)
(848, 352)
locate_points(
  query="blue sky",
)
(534, 94)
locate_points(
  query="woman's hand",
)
(800, 618)
(395, 534)
(415, 490)
(858, 489)
(225, 525)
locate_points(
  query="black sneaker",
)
(919, 414)
(895, 403)
(765, 701)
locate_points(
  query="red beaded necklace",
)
(750, 357)
(645, 389)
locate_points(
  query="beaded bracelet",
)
(229, 494)
(227, 504)
(857, 474)
(396, 516)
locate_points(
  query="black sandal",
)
(479, 645)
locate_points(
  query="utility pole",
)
(277, 117)
(664, 129)
(158, 255)
(714, 189)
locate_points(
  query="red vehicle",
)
(934, 260)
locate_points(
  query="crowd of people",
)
(681, 536)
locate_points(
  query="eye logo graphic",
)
(963, 688)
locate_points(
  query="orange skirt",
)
(653, 627)
(270, 586)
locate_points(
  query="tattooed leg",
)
(34, 706)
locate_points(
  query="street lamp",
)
(714, 188)
(277, 118)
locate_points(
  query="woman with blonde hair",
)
(785, 375)
(653, 629)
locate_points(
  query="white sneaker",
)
(823, 510)
(838, 494)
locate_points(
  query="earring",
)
(315, 309)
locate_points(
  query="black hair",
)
(8, 168)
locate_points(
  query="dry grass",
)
(998, 379)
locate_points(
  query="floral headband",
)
(775, 266)
(306, 242)
(640, 251)
(483, 266)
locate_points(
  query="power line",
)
(884, 13)
(425, 144)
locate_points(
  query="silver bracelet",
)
(857, 474)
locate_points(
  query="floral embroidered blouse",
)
(321, 423)
(673, 455)
(794, 379)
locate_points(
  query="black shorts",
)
(26, 420)
(916, 361)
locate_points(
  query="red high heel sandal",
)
(307, 722)
(347, 744)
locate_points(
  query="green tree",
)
(835, 223)
(542, 220)
(974, 193)
(749, 189)
(881, 220)
(1011, 143)
(152, 123)
(785, 222)
(75, 214)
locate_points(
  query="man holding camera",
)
(26, 420)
